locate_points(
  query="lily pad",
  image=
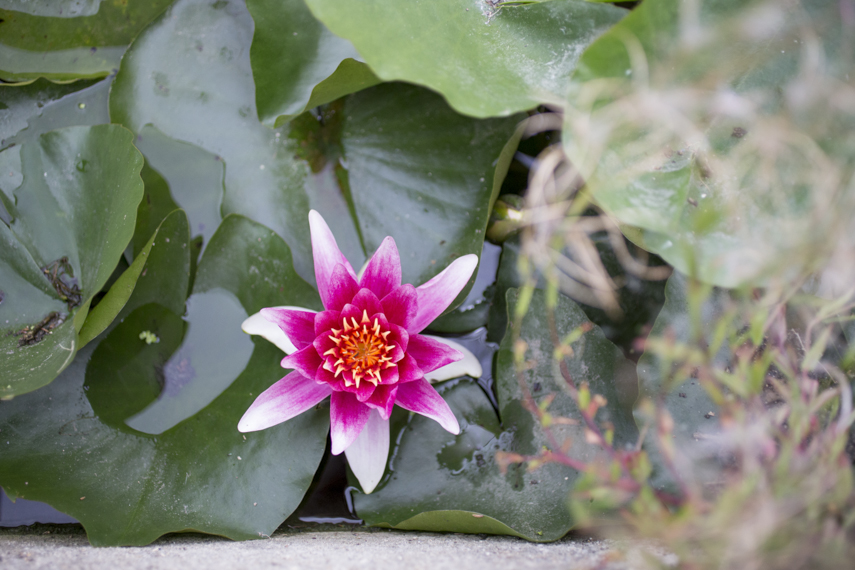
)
(485, 59)
(173, 230)
(688, 319)
(34, 109)
(683, 122)
(127, 487)
(54, 8)
(43, 106)
(73, 216)
(437, 481)
(297, 63)
(421, 173)
(368, 162)
(39, 44)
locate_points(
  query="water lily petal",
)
(366, 301)
(437, 294)
(368, 453)
(305, 361)
(401, 305)
(383, 399)
(287, 398)
(347, 419)
(297, 324)
(326, 255)
(408, 370)
(382, 275)
(399, 337)
(469, 365)
(325, 320)
(420, 397)
(341, 289)
(365, 389)
(257, 324)
(430, 353)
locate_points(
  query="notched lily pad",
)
(39, 43)
(69, 222)
(485, 60)
(128, 487)
(41, 106)
(297, 63)
(692, 409)
(167, 245)
(436, 481)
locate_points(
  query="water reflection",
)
(214, 353)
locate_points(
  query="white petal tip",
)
(258, 325)
(469, 260)
(246, 426)
(469, 365)
(368, 453)
(315, 217)
(452, 428)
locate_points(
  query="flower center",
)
(360, 348)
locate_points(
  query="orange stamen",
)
(361, 348)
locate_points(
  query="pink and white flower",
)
(364, 351)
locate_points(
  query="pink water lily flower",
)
(364, 350)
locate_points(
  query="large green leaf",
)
(73, 216)
(34, 109)
(687, 319)
(195, 180)
(420, 173)
(206, 97)
(115, 302)
(297, 63)
(485, 60)
(38, 44)
(437, 481)
(75, 450)
(391, 160)
(672, 130)
(475, 309)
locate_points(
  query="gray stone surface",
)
(66, 547)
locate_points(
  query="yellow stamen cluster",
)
(362, 348)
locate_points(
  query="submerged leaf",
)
(40, 43)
